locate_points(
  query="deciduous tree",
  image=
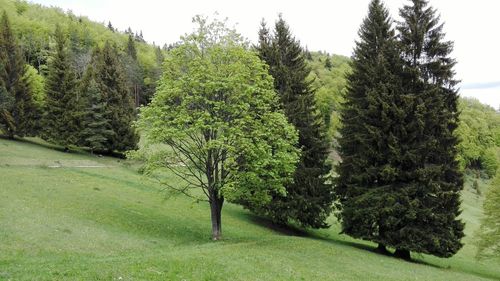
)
(217, 114)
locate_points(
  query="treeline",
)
(77, 85)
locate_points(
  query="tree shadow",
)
(296, 231)
(288, 230)
(71, 149)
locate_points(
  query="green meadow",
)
(76, 216)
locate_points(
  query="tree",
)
(133, 71)
(308, 200)
(131, 51)
(489, 233)
(61, 115)
(96, 126)
(110, 78)
(328, 63)
(110, 26)
(429, 222)
(370, 144)
(216, 113)
(18, 111)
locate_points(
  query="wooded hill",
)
(34, 26)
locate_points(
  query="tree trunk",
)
(402, 254)
(382, 249)
(215, 212)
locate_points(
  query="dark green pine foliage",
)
(96, 130)
(309, 199)
(429, 203)
(131, 50)
(61, 121)
(18, 112)
(328, 63)
(120, 112)
(372, 117)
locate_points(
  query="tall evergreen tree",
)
(399, 180)
(110, 78)
(309, 198)
(430, 200)
(18, 111)
(369, 144)
(131, 50)
(133, 72)
(96, 126)
(62, 111)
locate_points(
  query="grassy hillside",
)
(80, 217)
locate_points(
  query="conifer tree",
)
(133, 72)
(18, 111)
(96, 126)
(369, 142)
(309, 198)
(62, 111)
(399, 180)
(328, 63)
(110, 78)
(131, 50)
(427, 220)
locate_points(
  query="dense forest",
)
(290, 134)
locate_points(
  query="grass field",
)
(74, 216)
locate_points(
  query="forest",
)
(379, 146)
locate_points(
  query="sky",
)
(326, 25)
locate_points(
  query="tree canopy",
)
(218, 116)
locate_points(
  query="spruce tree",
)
(110, 78)
(328, 63)
(18, 111)
(96, 126)
(62, 111)
(399, 180)
(131, 50)
(309, 198)
(427, 218)
(370, 142)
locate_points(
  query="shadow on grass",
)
(293, 230)
(71, 149)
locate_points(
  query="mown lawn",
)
(74, 216)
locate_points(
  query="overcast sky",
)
(328, 25)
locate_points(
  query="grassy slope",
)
(107, 223)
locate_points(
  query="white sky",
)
(328, 25)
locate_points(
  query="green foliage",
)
(328, 63)
(34, 28)
(399, 183)
(19, 113)
(475, 186)
(36, 84)
(478, 132)
(308, 199)
(330, 87)
(96, 126)
(489, 233)
(489, 161)
(431, 196)
(60, 120)
(216, 111)
(110, 78)
(370, 145)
